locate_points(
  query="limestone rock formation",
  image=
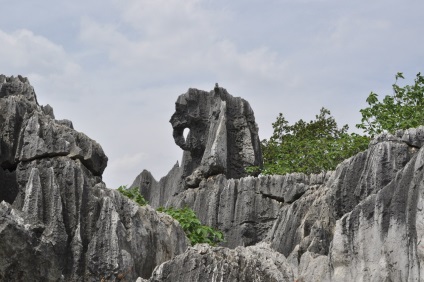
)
(223, 141)
(58, 221)
(205, 263)
(223, 136)
(361, 222)
(380, 239)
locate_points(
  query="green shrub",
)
(133, 193)
(195, 231)
(308, 147)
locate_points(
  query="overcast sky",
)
(115, 68)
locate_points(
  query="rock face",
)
(380, 239)
(223, 136)
(205, 263)
(361, 222)
(223, 141)
(58, 221)
(308, 231)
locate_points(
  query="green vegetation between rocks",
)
(195, 231)
(309, 147)
(133, 193)
(315, 146)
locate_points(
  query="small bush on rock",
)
(195, 231)
(309, 147)
(133, 193)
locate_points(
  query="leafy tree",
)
(133, 194)
(309, 147)
(401, 110)
(195, 231)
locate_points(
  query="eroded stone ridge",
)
(205, 263)
(361, 222)
(30, 131)
(58, 221)
(223, 136)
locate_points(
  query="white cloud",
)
(176, 38)
(158, 18)
(34, 53)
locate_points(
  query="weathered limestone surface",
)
(158, 193)
(28, 133)
(205, 263)
(223, 136)
(364, 223)
(381, 239)
(58, 221)
(309, 221)
(361, 222)
(244, 209)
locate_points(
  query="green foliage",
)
(401, 110)
(309, 147)
(133, 194)
(253, 170)
(195, 231)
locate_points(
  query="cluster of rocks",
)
(361, 222)
(58, 221)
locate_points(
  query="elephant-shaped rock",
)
(223, 135)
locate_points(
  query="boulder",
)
(202, 262)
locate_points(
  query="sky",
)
(115, 68)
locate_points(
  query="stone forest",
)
(364, 221)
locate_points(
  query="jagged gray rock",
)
(30, 132)
(309, 222)
(222, 141)
(326, 225)
(244, 209)
(17, 98)
(381, 238)
(257, 263)
(58, 221)
(223, 136)
(158, 193)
